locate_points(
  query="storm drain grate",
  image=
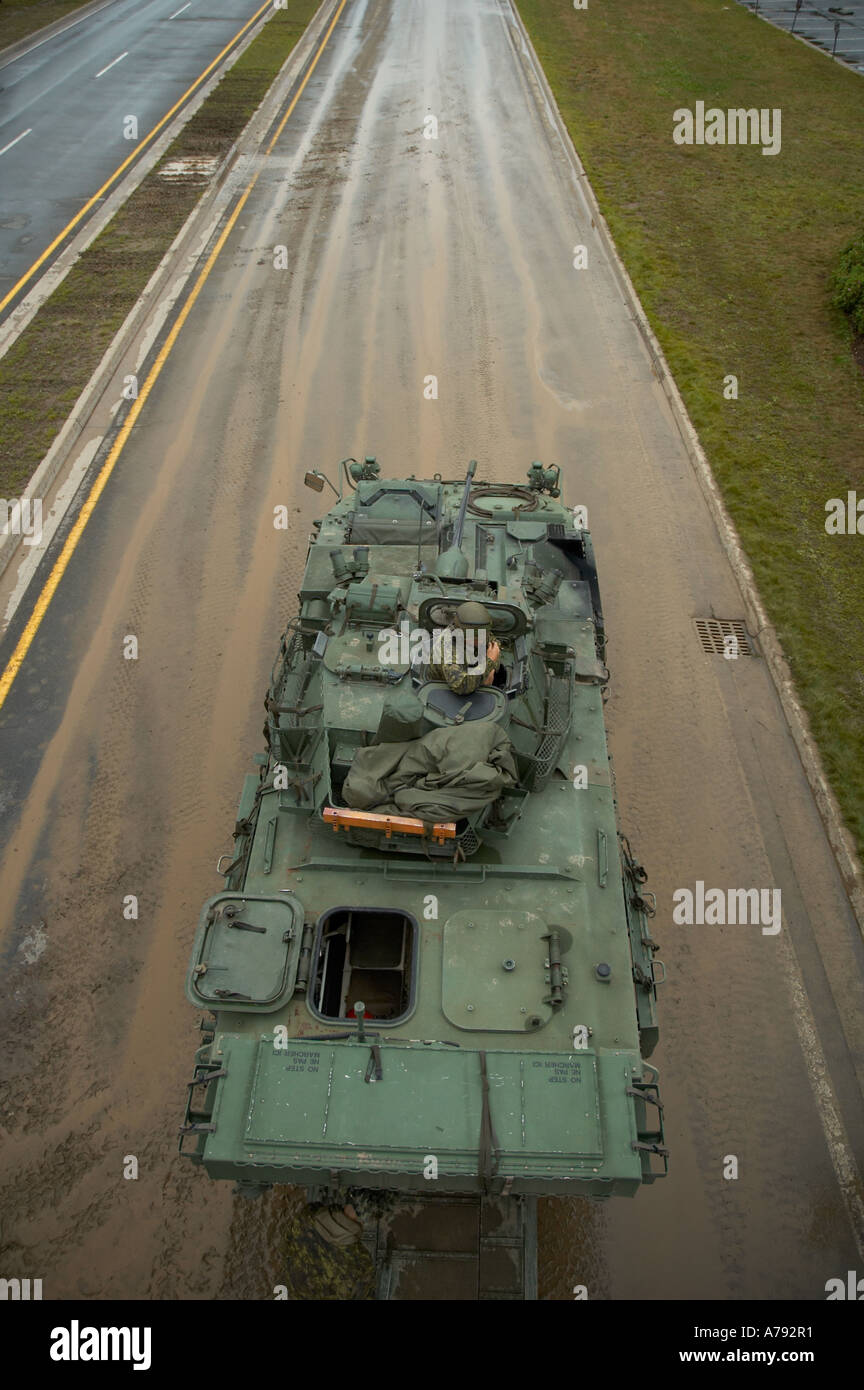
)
(714, 634)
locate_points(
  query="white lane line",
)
(17, 138)
(180, 11)
(114, 64)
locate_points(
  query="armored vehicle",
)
(429, 972)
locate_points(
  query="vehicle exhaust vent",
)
(715, 635)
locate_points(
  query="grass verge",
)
(21, 18)
(733, 255)
(50, 363)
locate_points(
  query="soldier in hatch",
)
(459, 675)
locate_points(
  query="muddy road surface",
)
(406, 258)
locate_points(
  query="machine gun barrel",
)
(463, 506)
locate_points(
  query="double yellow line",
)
(41, 606)
(141, 145)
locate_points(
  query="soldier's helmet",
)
(472, 614)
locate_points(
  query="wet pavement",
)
(407, 258)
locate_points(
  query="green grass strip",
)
(734, 255)
(21, 18)
(48, 366)
(849, 286)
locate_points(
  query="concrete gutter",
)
(40, 36)
(839, 838)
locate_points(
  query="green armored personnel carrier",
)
(429, 972)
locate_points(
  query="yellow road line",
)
(140, 145)
(41, 606)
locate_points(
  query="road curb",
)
(839, 838)
(155, 300)
(39, 36)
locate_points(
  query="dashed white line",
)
(17, 138)
(180, 11)
(114, 64)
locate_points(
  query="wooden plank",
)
(370, 820)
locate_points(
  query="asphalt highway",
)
(65, 107)
(407, 257)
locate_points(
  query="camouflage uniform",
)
(458, 676)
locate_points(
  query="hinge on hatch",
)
(557, 977)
